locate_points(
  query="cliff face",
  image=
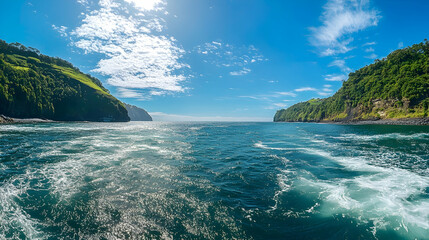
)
(137, 114)
(396, 87)
(33, 85)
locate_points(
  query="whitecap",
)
(396, 136)
(263, 146)
(387, 196)
(12, 217)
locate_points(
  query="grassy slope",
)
(34, 85)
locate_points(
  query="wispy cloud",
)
(132, 93)
(340, 63)
(340, 19)
(369, 44)
(325, 91)
(258, 97)
(136, 55)
(243, 71)
(61, 29)
(273, 100)
(290, 94)
(271, 97)
(225, 55)
(335, 77)
(276, 106)
(305, 89)
(147, 5)
(280, 105)
(83, 2)
(372, 56)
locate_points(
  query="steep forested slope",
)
(394, 87)
(33, 85)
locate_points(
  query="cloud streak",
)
(326, 91)
(335, 77)
(340, 19)
(241, 72)
(341, 64)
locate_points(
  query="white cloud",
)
(323, 92)
(276, 106)
(369, 44)
(305, 89)
(280, 105)
(217, 43)
(160, 116)
(327, 86)
(290, 94)
(241, 72)
(270, 97)
(334, 51)
(335, 77)
(132, 93)
(372, 56)
(226, 55)
(61, 29)
(128, 93)
(83, 2)
(136, 54)
(257, 97)
(340, 19)
(158, 93)
(340, 63)
(370, 49)
(146, 5)
(400, 45)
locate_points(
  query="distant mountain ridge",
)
(33, 85)
(396, 87)
(137, 114)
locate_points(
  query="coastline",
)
(400, 121)
(9, 120)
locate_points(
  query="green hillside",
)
(33, 85)
(392, 88)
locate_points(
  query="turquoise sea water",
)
(154, 180)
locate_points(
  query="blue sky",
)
(225, 60)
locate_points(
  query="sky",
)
(216, 60)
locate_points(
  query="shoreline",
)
(399, 122)
(9, 120)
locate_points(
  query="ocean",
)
(156, 180)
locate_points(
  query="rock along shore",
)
(6, 120)
(401, 121)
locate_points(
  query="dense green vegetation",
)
(33, 85)
(394, 87)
